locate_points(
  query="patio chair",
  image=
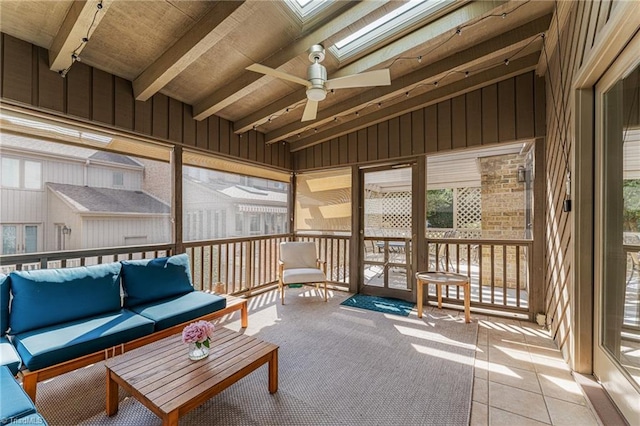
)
(299, 264)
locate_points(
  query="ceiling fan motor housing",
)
(317, 76)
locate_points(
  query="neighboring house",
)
(222, 209)
(63, 197)
(91, 217)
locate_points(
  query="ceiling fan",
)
(317, 83)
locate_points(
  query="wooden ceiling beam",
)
(476, 81)
(81, 21)
(233, 91)
(498, 47)
(208, 31)
(431, 31)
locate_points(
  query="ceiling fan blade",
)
(310, 110)
(364, 79)
(278, 74)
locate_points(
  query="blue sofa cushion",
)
(4, 304)
(148, 280)
(53, 345)
(53, 296)
(15, 402)
(8, 356)
(175, 310)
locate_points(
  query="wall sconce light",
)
(522, 174)
(66, 230)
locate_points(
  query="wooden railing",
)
(73, 258)
(499, 270)
(235, 265)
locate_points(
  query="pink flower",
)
(198, 332)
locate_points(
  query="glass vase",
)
(196, 353)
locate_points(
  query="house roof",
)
(114, 158)
(85, 199)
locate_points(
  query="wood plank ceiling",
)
(197, 52)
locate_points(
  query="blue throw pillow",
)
(4, 304)
(52, 296)
(148, 280)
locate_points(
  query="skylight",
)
(307, 8)
(387, 26)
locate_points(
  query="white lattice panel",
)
(388, 213)
(469, 208)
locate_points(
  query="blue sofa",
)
(16, 407)
(62, 319)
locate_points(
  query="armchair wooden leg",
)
(282, 294)
(325, 291)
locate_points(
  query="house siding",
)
(580, 24)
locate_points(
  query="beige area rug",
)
(337, 366)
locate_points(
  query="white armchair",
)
(299, 264)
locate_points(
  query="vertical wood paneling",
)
(444, 125)
(188, 126)
(260, 147)
(540, 107)
(577, 37)
(175, 120)
(474, 118)
(524, 106)
(431, 128)
(213, 143)
(223, 135)
(252, 141)
(372, 143)
(51, 93)
(383, 140)
(394, 137)
(143, 117)
(123, 103)
(243, 146)
(506, 110)
(202, 134)
(362, 145)
(268, 153)
(234, 142)
(459, 115)
(417, 132)
(352, 145)
(79, 91)
(317, 156)
(17, 70)
(160, 116)
(335, 151)
(326, 155)
(102, 99)
(344, 149)
(405, 135)
(489, 114)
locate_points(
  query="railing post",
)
(250, 258)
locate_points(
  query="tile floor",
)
(522, 379)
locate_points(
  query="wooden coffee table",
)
(162, 377)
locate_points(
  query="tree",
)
(440, 208)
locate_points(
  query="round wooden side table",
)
(444, 279)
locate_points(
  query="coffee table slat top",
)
(163, 374)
